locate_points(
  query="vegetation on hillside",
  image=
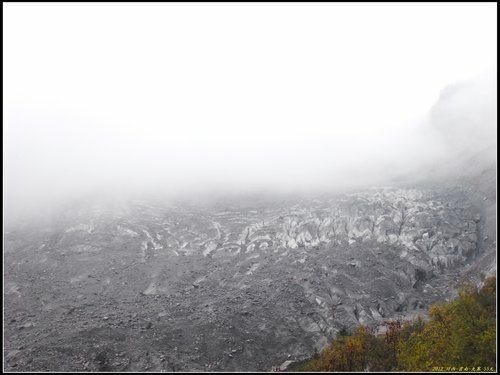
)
(460, 336)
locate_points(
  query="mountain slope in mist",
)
(244, 284)
(462, 125)
(230, 286)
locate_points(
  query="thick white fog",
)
(190, 98)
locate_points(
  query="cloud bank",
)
(226, 99)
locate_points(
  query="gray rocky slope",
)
(142, 285)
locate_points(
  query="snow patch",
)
(127, 231)
(81, 227)
(252, 269)
(209, 248)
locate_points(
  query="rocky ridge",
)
(143, 285)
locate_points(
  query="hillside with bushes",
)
(459, 336)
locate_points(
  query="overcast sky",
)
(239, 96)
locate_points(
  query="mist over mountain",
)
(464, 119)
(457, 136)
(228, 187)
(239, 279)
